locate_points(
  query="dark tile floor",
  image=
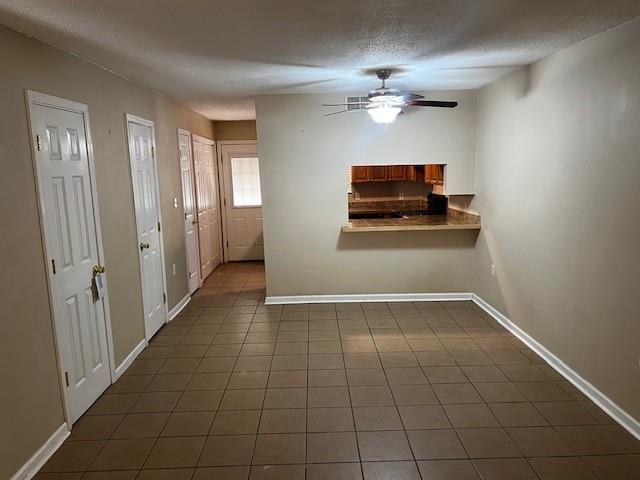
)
(233, 389)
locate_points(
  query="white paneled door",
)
(206, 175)
(190, 210)
(243, 201)
(69, 220)
(149, 245)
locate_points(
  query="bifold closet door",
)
(204, 162)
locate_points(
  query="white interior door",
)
(71, 239)
(145, 194)
(207, 201)
(190, 210)
(243, 202)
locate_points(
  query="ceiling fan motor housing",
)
(383, 74)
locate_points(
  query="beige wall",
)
(235, 130)
(557, 186)
(558, 171)
(30, 396)
(303, 162)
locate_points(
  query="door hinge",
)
(153, 151)
(227, 243)
(53, 265)
(39, 143)
(225, 201)
(66, 378)
(158, 226)
(164, 297)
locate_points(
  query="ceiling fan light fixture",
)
(384, 113)
(385, 104)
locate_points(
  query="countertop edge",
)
(410, 228)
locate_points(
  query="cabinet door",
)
(428, 174)
(398, 173)
(359, 174)
(379, 174)
(439, 174)
(434, 174)
(410, 173)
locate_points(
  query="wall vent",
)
(353, 100)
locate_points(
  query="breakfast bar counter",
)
(452, 220)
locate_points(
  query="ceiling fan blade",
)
(431, 103)
(344, 104)
(408, 96)
(335, 113)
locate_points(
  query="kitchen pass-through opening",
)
(394, 191)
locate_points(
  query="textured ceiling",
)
(214, 55)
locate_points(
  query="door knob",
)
(143, 246)
(194, 222)
(98, 269)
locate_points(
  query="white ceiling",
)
(215, 55)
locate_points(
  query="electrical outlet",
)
(173, 269)
(492, 271)
(175, 202)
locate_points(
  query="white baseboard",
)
(37, 461)
(599, 398)
(369, 297)
(126, 363)
(173, 313)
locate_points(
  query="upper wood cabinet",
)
(410, 173)
(402, 173)
(391, 173)
(359, 174)
(434, 174)
(398, 173)
(379, 174)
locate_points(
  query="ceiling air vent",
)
(353, 101)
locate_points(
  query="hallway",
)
(234, 389)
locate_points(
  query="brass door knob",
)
(98, 269)
(143, 246)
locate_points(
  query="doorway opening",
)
(241, 200)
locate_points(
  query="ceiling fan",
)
(385, 104)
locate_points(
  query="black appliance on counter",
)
(437, 204)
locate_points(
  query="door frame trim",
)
(154, 157)
(222, 193)
(32, 99)
(182, 131)
(202, 139)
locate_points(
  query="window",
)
(245, 179)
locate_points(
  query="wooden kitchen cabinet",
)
(379, 174)
(398, 173)
(386, 173)
(369, 174)
(359, 174)
(434, 174)
(402, 173)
